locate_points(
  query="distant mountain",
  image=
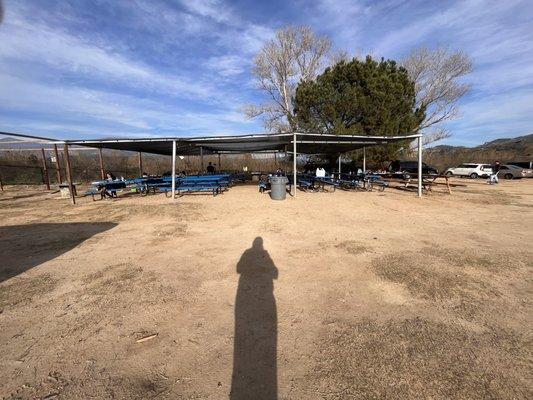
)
(503, 150)
(12, 143)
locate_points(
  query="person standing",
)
(494, 175)
(210, 169)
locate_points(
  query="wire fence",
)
(19, 168)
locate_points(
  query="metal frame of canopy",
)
(302, 143)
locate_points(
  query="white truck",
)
(471, 170)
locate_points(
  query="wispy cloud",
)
(156, 67)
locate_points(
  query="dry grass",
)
(414, 358)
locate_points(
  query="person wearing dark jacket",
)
(494, 175)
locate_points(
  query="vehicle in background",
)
(472, 170)
(410, 167)
(523, 164)
(509, 171)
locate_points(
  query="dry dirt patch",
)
(419, 358)
(460, 281)
(21, 290)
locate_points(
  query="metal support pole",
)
(219, 167)
(1, 185)
(58, 165)
(69, 175)
(420, 166)
(102, 173)
(202, 159)
(339, 167)
(173, 169)
(45, 171)
(140, 163)
(276, 159)
(364, 160)
(294, 174)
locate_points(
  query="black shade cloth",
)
(308, 143)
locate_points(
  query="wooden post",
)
(45, 171)
(102, 172)
(1, 185)
(69, 175)
(140, 163)
(58, 165)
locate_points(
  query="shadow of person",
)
(256, 331)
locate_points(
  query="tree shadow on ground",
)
(256, 331)
(25, 246)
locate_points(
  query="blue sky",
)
(100, 68)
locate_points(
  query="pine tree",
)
(360, 98)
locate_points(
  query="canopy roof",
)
(308, 143)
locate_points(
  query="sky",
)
(142, 68)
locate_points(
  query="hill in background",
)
(504, 150)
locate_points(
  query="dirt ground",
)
(324, 296)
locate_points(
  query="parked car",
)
(472, 170)
(526, 172)
(509, 171)
(523, 164)
(410, 167)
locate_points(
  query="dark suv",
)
(411, 167)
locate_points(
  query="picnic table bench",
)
(428, 180)
(365, 182)
(103, 188)
(316, 184)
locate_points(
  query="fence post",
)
(102, 174)
(69, 175)
(58, 165)
(45, 171)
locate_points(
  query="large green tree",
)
(360, 97)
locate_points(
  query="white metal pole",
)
(173, 169)
(294, 176)
(420, 166)
(339, 167)
(364, 160)
(202, 160)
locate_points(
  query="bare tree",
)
(437, 75)
(295, 54)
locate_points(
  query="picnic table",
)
(428, 180)
(106, 188)
(365, 182)
(314, 183)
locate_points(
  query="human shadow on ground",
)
(256, 330)
(25, 246)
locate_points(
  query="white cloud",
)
(39, 44)
(116, 113)
(228, 65)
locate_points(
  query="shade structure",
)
(301, 143)
(308, 143)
